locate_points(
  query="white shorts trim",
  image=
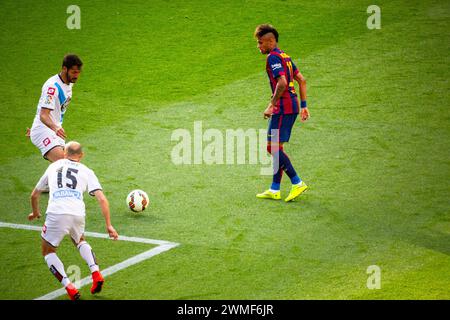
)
(45, 139)
(57, 226)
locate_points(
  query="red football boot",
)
(73, 292)
(97, 282)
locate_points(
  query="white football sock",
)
(57, 268)
(273, 191)
(88, 255)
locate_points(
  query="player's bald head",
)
(73, 149)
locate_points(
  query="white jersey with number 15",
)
(67, 181)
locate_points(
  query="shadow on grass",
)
(438, 241)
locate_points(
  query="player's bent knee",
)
(271, 148)
(55, 154)
(47, 248)
(79, 242)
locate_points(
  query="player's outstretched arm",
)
(47, 120)
(35, 205)
(104, 205)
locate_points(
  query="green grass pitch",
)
(375, 152)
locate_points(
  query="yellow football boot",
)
(296, 190)
(269, 195)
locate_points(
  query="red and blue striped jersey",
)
(279, 64)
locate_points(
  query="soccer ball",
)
(137, 200)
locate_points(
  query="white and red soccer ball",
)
(137, 200)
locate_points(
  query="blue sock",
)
(286, 164)
(296, 180)
(276, 180)
(277, 176)
(275, 186)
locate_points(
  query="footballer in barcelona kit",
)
(282, 111)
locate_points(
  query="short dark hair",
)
(71, 60)
(264, 29)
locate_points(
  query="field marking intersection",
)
(162, 246)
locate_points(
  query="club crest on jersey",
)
(51, 91)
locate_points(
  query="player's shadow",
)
(144, 217)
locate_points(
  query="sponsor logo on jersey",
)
(67, 194)
(46, 142)
(276, 66)
(51, 91)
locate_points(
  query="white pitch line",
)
(89, 234)
(113, 269)
(162, 247)
(20, 226)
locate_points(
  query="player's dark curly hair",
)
(263, 29)
(71, 60)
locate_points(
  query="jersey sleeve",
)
(275, 66)
(43, 182)
(48, 97)
(93, 183)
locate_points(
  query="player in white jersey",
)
(47, 132)
(67, 180)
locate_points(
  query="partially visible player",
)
(47, 132)
(67, 180)
(282, 110)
